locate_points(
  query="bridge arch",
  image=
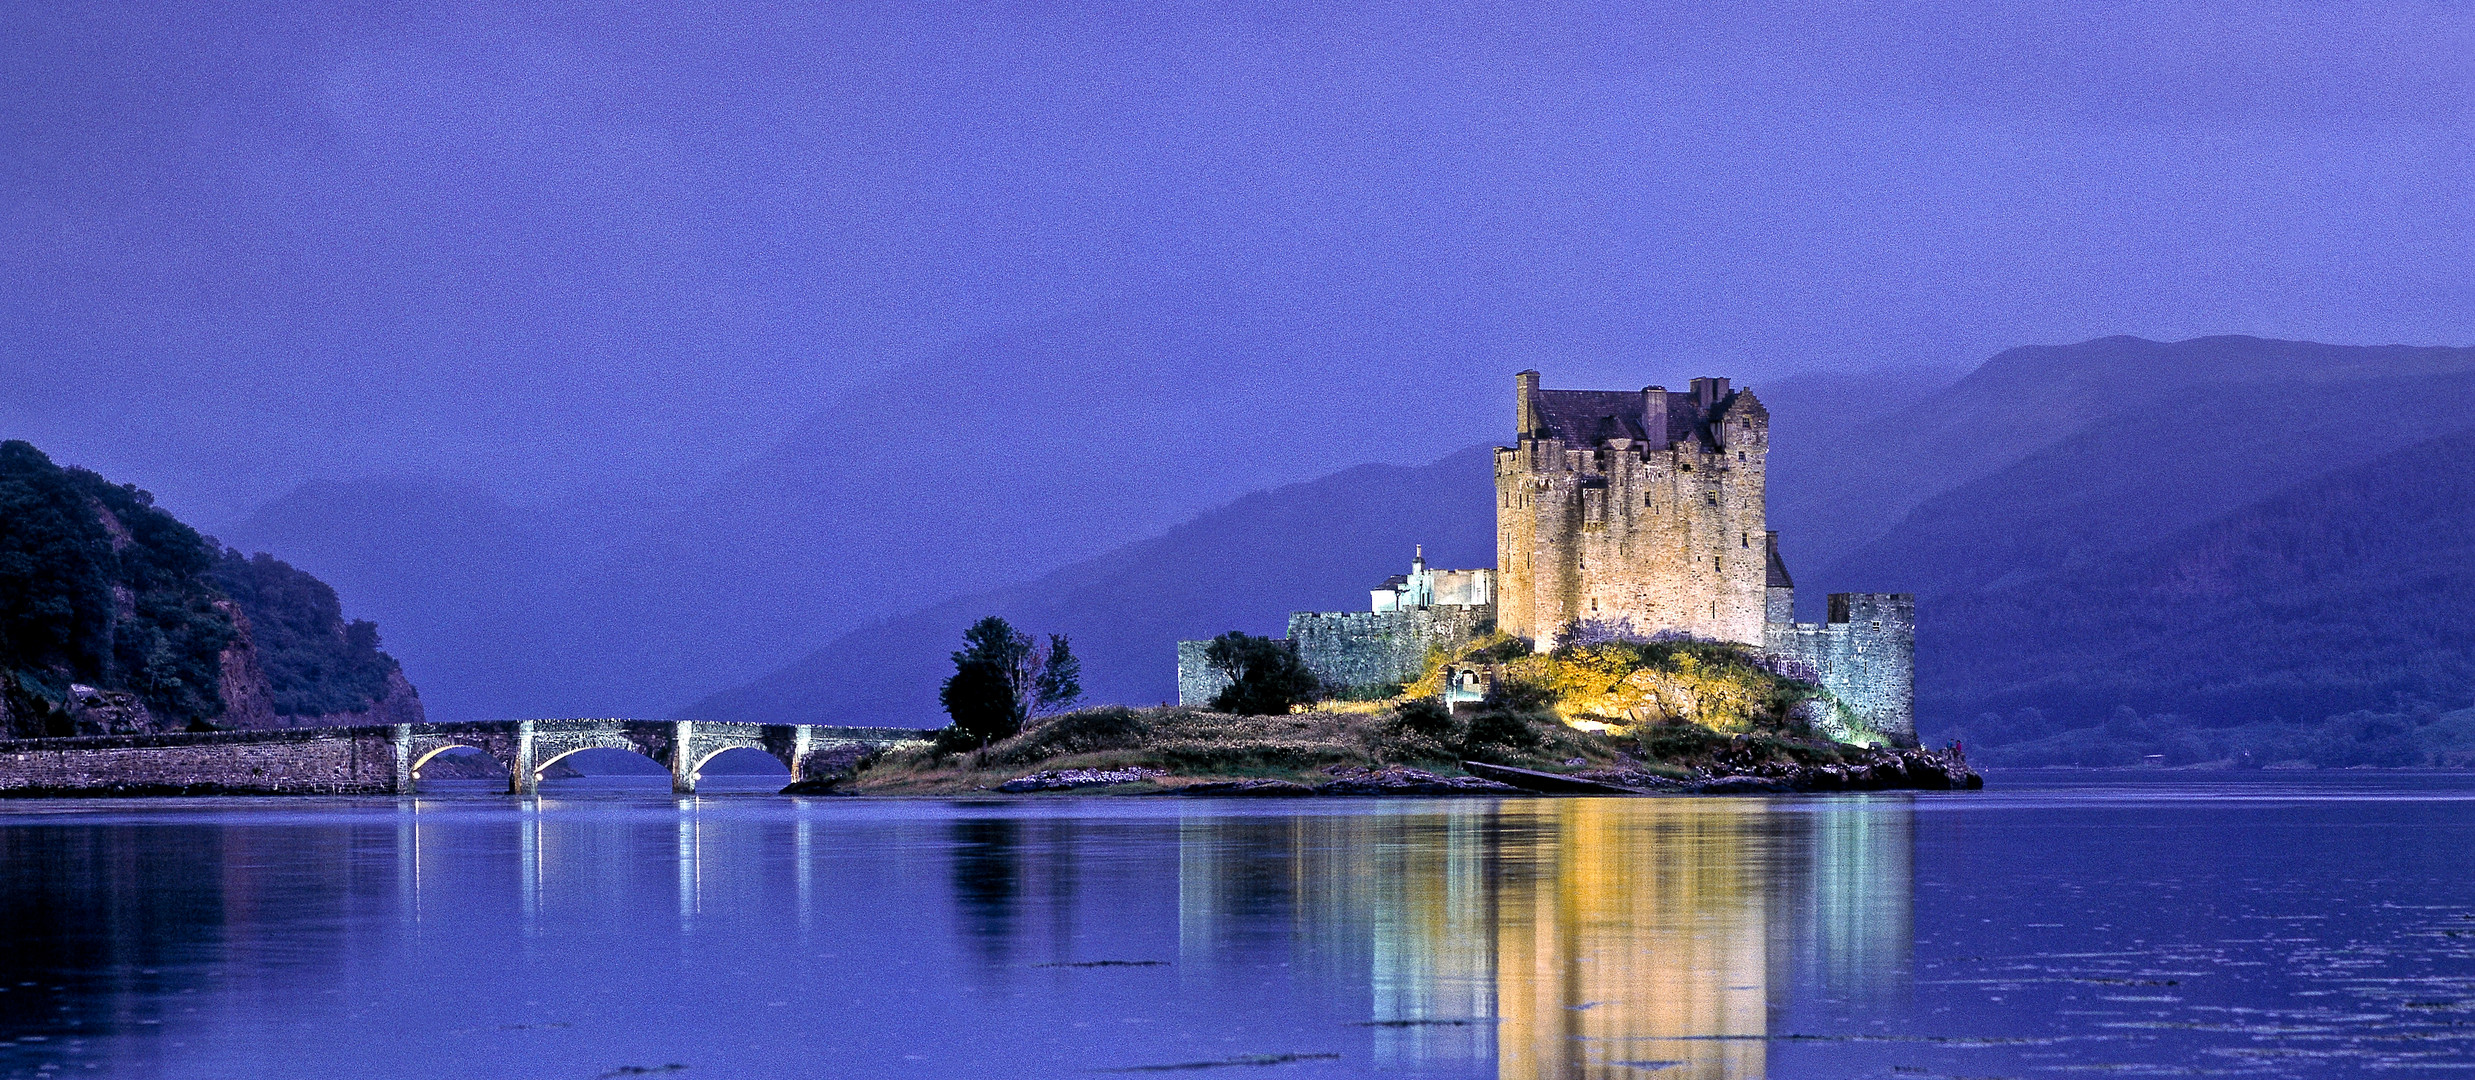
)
(544, 764)
(443, 747)
(525, 747)
(697, 771)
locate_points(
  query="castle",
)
(1632, 509)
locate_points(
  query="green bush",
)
(1678, 740)
(1266, 677)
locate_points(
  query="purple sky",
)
(566, 249)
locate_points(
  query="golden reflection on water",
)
(1573, 938)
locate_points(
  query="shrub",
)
(1677, 740)
(1266, 678)
(1090, 731)
(1425, 716)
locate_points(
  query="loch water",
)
(2244, 924)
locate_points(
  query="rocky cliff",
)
(249, 697)
(115, 617)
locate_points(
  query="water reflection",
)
(1577, 938)
(1522, 939)
(616, 934)
(988, 882)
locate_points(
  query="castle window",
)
(1744, 539)
(1711, 497)
(1714, 562)
(1740, 455)
(1877, 626)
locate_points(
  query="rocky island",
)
(1601, 717)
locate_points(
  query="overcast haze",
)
(561, 250)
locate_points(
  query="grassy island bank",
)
(1675, 717)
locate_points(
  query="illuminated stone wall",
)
(1639, 506)
(1865, 656)
(1349, 649)
(1379, 648)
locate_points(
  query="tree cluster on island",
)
(1003, 677)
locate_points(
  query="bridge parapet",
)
(379, 759)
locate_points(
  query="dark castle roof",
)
(1586, 417)
(1778, 567)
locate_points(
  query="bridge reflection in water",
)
(1580, 938)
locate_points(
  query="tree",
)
(989, 695)
(1003, 677)
(980, 702)
(1061, 677)
(1266, 678)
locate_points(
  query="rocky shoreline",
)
(1872, 770)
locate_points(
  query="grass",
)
(1197, 745)
(1668, 708)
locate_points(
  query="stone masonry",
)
(1375, 649)
(1613, 505)
(1413, 615)
(387, 758)
(1633, 505)
(1865, 655)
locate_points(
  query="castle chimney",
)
(1709, 392)
(1525, 393)
(1654, 416)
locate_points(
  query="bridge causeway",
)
(386, 759)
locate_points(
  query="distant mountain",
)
(480, 597)
(2156, 465)
(2348, 593)
(1317, 545)
(1008, 457)
(1003, 459)
(2140, 408)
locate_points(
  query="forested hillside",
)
(101, 589)
(2349, 596)
(294, 619)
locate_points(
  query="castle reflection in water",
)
(1580, 938)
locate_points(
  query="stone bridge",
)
(387, 759)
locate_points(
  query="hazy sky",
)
(557, 248)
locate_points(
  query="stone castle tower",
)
(1642, 506)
